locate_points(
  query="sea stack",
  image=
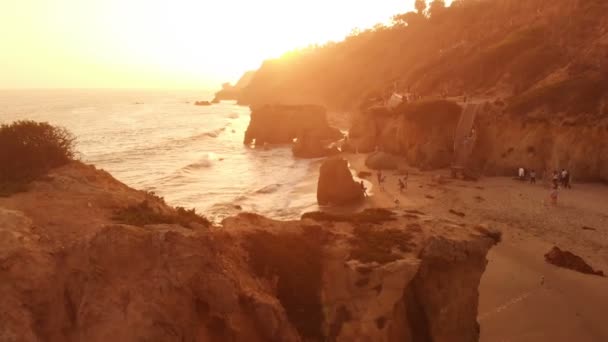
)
(336, 184)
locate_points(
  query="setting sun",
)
(159, 43)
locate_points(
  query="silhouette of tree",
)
(436, 7)
(420, 6)
(408, 19)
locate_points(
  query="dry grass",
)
(379, 245)
(374, 215)
(143, 214)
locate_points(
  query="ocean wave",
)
(269, 189)
(205, 162)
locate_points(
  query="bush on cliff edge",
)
(28, 150)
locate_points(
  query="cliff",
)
(538, 67)
(482, 47)
(71, 271)
(232, 92)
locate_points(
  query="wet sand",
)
(522, 298)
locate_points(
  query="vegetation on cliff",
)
(497, 49)
(28, 150)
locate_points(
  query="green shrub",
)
(143, 214)
(29, 150)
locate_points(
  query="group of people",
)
(401, 182)
(559, 178)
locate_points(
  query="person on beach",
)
(555, 179)
(405, 178)
(381, 179)
(521, 173)
(364, 189)
(532, 177)
(401, 185)
(553, 194)
(567, 182)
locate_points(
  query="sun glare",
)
(159, 42)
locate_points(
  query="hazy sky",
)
(162, 43)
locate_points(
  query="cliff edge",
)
(72, 271)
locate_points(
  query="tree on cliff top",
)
(420, 6)
(29, 150)
(436, 8)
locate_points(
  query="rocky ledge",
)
(71, 271)
(281, 124)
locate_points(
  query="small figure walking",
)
(381, 179)
(532, 177)
(401, 185)
(521, 173)
(553, 195)
(555, 179)
(364, 189)
(566, 179)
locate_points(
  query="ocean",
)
(159, 141)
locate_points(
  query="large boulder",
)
(281, 124)
(336, 184)
(381, 161)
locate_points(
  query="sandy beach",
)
(522, 298)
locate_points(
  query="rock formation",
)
(230, 92)
(422, 132)
(336, 184)
(281, 124)
(566, 259)
(71, 273)
(202, 103)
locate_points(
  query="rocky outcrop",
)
(566, 259)
(202, 103)
(422, 132)
(71, 273)
(233, 92)
(336, 184)
(281, 124)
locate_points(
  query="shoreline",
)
(522, 297)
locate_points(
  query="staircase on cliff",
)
(465, 136)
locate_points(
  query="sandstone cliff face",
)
(506, 143)
(422, 132)
(505, 140)
(69, 273)
(281, 124)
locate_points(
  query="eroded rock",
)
(569, 260)
(69, 273)
(281, 124)
(336, 184)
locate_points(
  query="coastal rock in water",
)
(569, 260)
(381, 161)
(71, 271)
(336, 184)
(281, 124)
(202, 103)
